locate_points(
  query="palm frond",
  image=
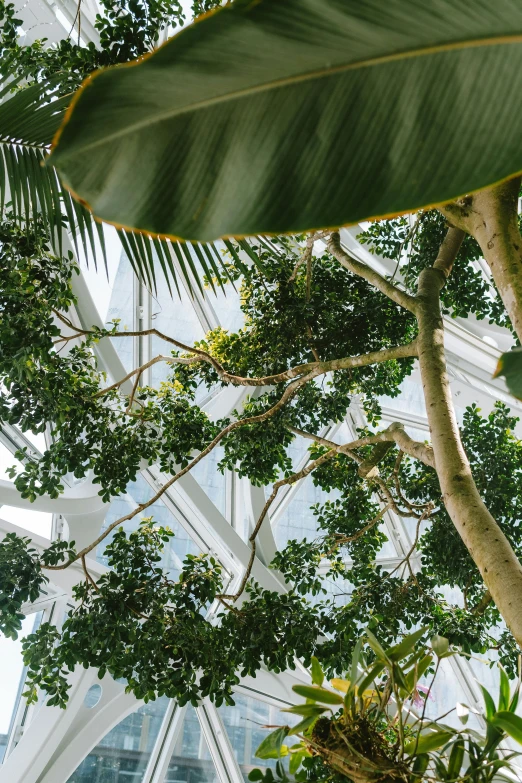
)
(29, 119)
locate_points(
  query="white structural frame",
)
(46, 744)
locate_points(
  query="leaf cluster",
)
(127, 30)
(373, 732)
(414, 247)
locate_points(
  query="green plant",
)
(323, 332)
(356, 117)
(308, 369)
(374, 734)
(36, 85)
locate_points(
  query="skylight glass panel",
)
(123, 754)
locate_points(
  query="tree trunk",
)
(491, 217)
(486, 543)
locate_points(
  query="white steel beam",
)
(218, 743)
(170, 732)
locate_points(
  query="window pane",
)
(140, 492)
(191, 761)
(123, 754)
(121, 305)
(12, 675)
(245, 725)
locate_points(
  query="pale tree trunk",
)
(486, 543)
(491, 217)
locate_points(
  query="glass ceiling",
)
(160, 742)
(106, 736)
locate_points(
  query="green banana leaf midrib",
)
(278, 83)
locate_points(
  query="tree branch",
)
(275, 489)
(483, 604)
(395, 432)
(448, 251)
(483, 537)
(401, 298)
(318, 368)
(373, 357)
(139, 370)
(491, 217)
(348, 539)
(287, 395)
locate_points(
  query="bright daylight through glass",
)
(260, 391)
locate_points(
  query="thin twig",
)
(287, 395)
(408, 350)
(348, 539)
(139, 370)
(413, 547)
(88, 576)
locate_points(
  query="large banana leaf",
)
(29, 118)
(285, 115)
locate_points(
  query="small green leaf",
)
(376, 646)
(356, 662)
(255, 774)
(420, 765)
(505, 691)
(370, 677)
(440, 645)
(414, 675)
(317, 672)
(295, 761)
(302, 725)
(306, 710)
(510, 723)
(398, 676)
(429, 742)
(510, 367)
(317, 694)
(456, 758)
(489, 703)
(272, 746)
(404, 648)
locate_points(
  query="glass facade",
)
(246, 724)
(12, 677)
(123, 754)
(191, 761)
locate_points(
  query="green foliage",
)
(127, 30)
(340, 141)
(20, 582)
(21, 577)
(374, 733)
(289, 322)
(65, 390)
(414, 248)
(137, 622)
(36, 85)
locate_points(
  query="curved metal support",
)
(57, 740)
